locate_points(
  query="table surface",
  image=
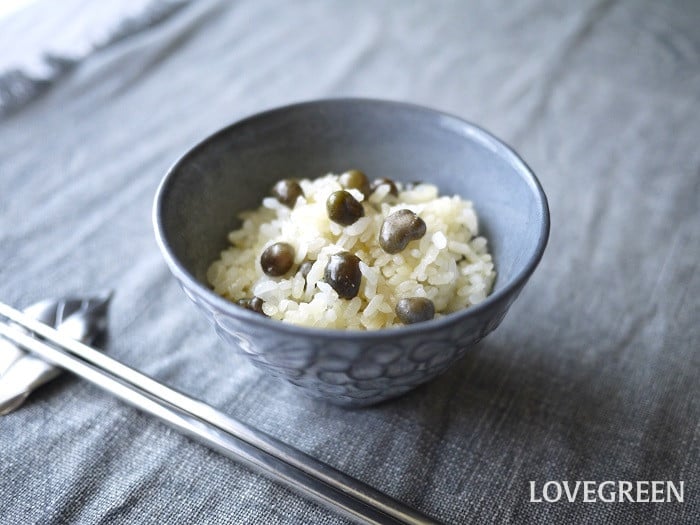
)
(594, 373)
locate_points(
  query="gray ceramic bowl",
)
(197, 202)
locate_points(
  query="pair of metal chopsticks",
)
(222, 433)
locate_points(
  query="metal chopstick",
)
(220, 432)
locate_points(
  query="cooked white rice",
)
(449, 265)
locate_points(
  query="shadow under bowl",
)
(199, 198)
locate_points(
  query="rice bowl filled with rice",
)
(339, 252)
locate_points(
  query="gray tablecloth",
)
(593, 375)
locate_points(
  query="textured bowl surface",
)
(198, 200)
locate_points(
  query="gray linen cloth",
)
(593, 375)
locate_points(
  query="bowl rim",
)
(456, 123)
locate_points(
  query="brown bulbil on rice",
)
(277, 259)
(287, 191)
(336, 275)
(411, 310)
(400, 228)
(343, 208)
(355, 179)
(343, 274)
(253, 304)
